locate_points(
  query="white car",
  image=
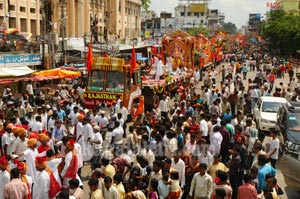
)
(265, 111)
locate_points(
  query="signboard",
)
(254, 19)
(197, 8)
(108, 63)
(94, 98)
(20, 60)
(106, 47)
(147, 34)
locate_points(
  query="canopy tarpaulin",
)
(58, 73)
(15, 71)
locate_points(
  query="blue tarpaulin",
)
(140, 58)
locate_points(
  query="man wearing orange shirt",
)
(247, 190)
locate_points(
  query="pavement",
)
(289, 192)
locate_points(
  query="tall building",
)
(254, 20)
(289, 5)
(214, 20)
(26, 16)
(73, 18)
(122, 19)
(115, 19)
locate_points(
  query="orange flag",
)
(133, 60)
(139, 110)
(89, 59)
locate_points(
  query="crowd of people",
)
(201, 143)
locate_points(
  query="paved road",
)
(290, 193)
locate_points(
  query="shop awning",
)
(58, 73)
(15, 71)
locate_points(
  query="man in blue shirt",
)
(61, 113)
(263, 171)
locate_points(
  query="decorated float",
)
(177, 46)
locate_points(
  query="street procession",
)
(130, 99)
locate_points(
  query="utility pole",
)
(62, 28)
(44, 32)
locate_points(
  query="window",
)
(11, 7)
(189, 14)
(202, 13)
(270, 107)
(1, 6)
(96, 81)
(22, 9)
(120, 6)
(294, 122)
(115, 81)
(182, 14)
(294, 151)
(32, 10)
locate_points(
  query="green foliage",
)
(146, 4)
(282, 31)
(198, 30)
(230, 28)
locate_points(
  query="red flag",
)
(89, 59)
(133, 60)
(153, 50)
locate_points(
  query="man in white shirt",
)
(97, 144)
(215, 141)
(78, 130)
(110, 191)
(73, 116)
(29, 89)
(5, 138)
(273, 151)
(37, 126)
(117, 138)
(122, 110)
(102, 121)
(202, 184)
(164, 106)
(191, 145)
(158, 68)
(203, 127)
(179, 165)
(20, 145)
(88, 132)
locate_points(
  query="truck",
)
(111, 79)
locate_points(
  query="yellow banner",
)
(101, 95)
(108, 64)
(197, 8)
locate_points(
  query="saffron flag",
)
(133, 60)
(89, 59)
(139, 110)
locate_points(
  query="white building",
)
(190, 15)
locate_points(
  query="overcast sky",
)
(236, 11)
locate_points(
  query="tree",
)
(198, 30)
(282, 30)
(146, 4)
(230, 28)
